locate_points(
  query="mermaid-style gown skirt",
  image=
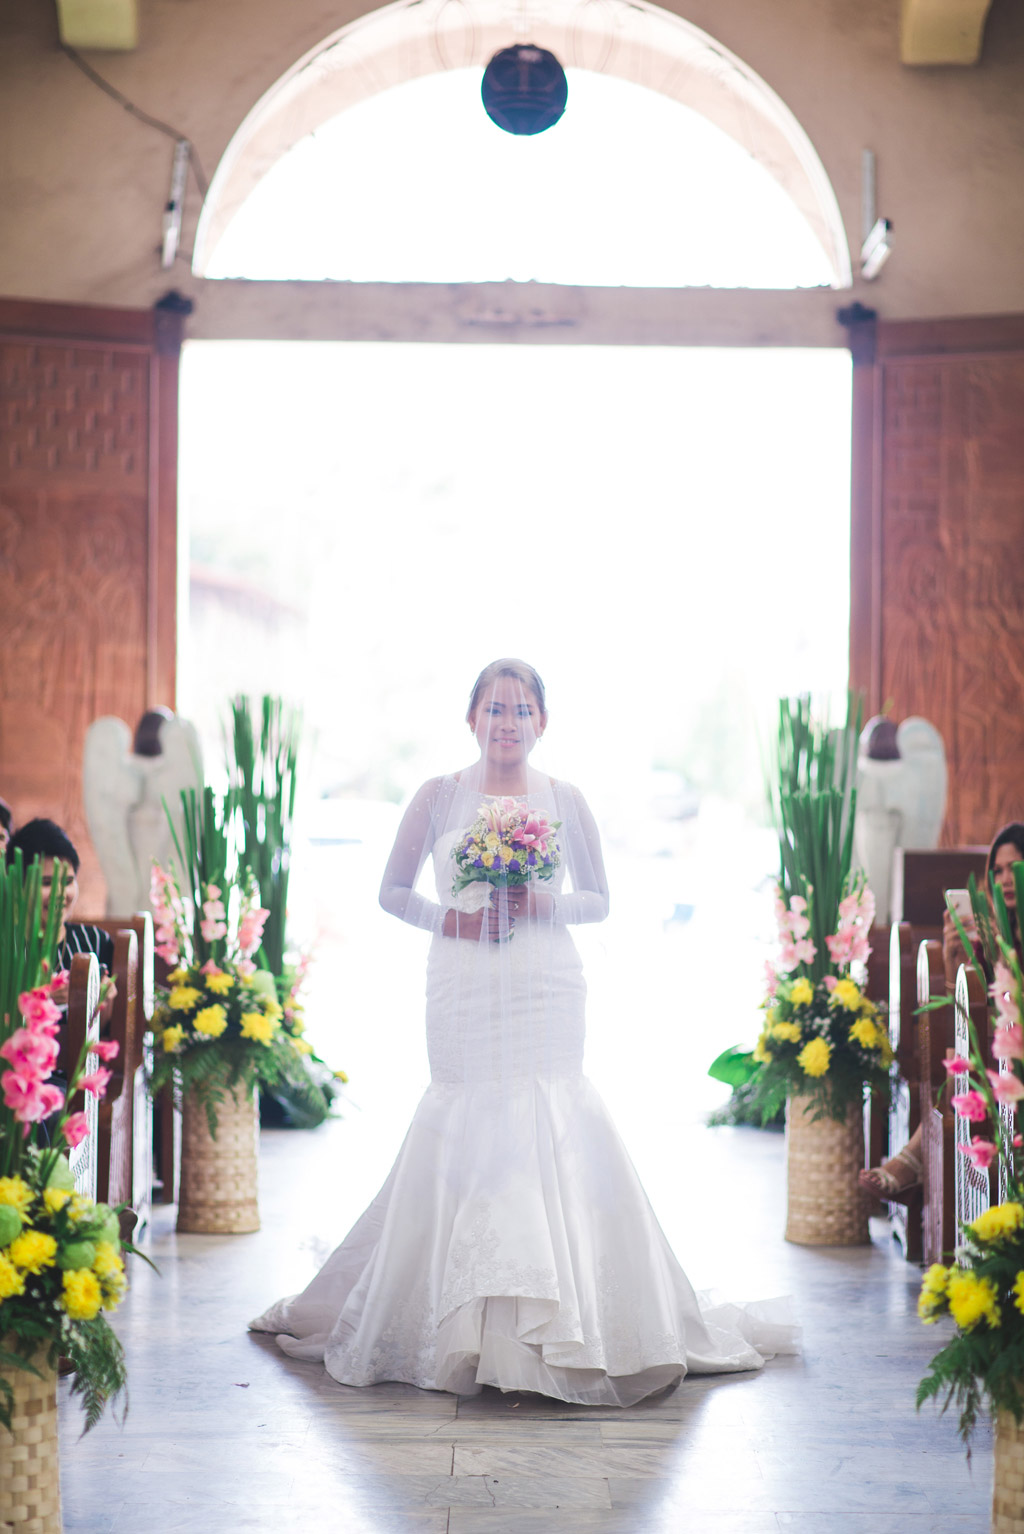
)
(512, 1243)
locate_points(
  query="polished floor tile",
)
(225, 1433)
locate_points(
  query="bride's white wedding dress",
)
(512, 1243)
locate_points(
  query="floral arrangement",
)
(61, 1264)
(821, 1038)
(982, 1290)
(507, 844)
(219, 1023)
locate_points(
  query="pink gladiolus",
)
(37, 1007)
(168, 952)
(798, 903)
(970, 1105)
(787, 959)
(96, 1082)
(981, 1152)
(771, 978)
(107, 1049)
(31, 1052)
(245, 967)
(805, 951)
(1008, 1042)
(76, 1127)
(212, 891)
(1007, 1086)
(1018, 1141)
(213, 930)
(60, 980)
(29, 1099)
(956, 1065)
(830, 983)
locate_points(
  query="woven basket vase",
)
(1008, 1487)
(29, 1466)
(220, 1175)
(823, 1157)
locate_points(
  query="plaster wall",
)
(83, 183)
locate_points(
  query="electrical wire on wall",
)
(184, 156)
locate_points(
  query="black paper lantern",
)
(524, 89)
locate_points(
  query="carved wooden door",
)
(88, 542)
(937, 612)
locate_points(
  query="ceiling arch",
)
(626, 38)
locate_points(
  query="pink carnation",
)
(76, 1127)
(970, 1105)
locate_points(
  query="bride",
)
(512, 1243)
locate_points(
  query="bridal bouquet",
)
(507, 844)
(982, 1365)
(61, 1266)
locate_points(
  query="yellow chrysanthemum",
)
(178, 976)
(847, 994)
(865, 1032)
(936, 1280)
(81, 1208)
(108, 1262)
(211, 1020)
(11, 1281)
(302, 1046)
(762, 1054)
(33, 1251)
(183, 998)
(83, 1297)
(219, 983)
(1018, 1292)
(801, 992)
(972, 1299)
(171, 1037)
(16, 1192)
(257, 1026)
(272, 1008)
(791, 1032)
(55, 1199)
(1000, 1220)
(341, 1076)
(814, 1057)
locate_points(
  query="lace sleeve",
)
(415, 838)
(587, 901)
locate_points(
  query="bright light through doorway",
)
(664, 533)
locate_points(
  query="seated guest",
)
(896, 1178)
(6, 825)
(44, 842)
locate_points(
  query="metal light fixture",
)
(524, 89)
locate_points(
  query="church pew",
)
(125, 1171)
(935, 1040)
(920, 878)
(81, 1026)
(905, 1079)
(975, 1189)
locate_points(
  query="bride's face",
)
(508, 721)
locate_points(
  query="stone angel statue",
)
(126, 781)
(901, 798)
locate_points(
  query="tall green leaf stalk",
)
(264, 748)
(813, 798)
(205, 858)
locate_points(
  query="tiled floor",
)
(224, 1433)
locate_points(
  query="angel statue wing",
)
(922, 786)
(179, 766)
(124, 796)
(112, 787)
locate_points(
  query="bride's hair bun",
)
(508, 666)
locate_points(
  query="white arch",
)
(627, 38)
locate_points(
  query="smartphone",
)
(960, 900)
